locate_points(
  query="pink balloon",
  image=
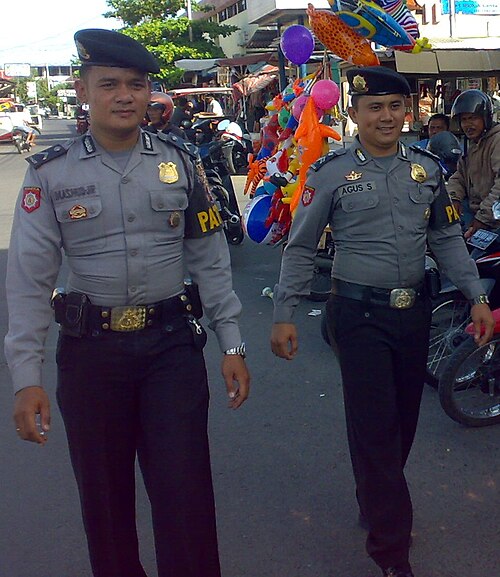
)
(298, 105)
(325, 94)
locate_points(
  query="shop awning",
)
(196, 65)
(255, 82)
(249, 59)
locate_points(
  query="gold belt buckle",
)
(402, 298)
(131, 318)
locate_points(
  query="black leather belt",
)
(92, 320)
(397, 298)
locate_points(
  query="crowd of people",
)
(131, 208)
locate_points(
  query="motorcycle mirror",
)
(223, 124)
(186, 124)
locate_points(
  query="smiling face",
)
(380, 120)
(118, 99)
(472, 125)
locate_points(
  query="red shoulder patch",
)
(31, 198)
(308, 195)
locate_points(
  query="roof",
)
(174, 93)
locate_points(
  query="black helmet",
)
(474, 102)
(447, 146)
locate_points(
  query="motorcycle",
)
(223, 190)
(82, 123)
(469, 388)
(20, 140)
(238, 145)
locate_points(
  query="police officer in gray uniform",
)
(133, 213)
(383, 201)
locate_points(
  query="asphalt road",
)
(282, 475)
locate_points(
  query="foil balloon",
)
(325, 94)
(371, 21)
(340, 38)
(297, 44)
(399, 11)
(255, 223)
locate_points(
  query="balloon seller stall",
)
(297, 128)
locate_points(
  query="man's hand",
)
(237, 379)
(29, 403)
(284, 341)
(484, 323)
(475, 226)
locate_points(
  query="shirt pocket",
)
(359, 202)
(82, 225)
(422, 194)
(168, 208)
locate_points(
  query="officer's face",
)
(118, 99)
(472, 125)
(380, 120)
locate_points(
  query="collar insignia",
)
(168, 172)
(89, 144)
(360, 154)
(353, 175)
(403, 150)
(146, 141)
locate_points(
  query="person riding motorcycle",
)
(477, 178)
(159, 113)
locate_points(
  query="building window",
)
(241, 5)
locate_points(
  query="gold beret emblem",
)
(359, 83)
(82, 51)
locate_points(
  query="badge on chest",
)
(356, 187)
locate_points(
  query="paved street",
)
(284, 488)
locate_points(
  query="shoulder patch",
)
(330, 156)
(179, 143)
(39, 159)
(428, 153)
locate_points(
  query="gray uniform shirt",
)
(381, 219)
(129, 237)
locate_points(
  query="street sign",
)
(13, 70)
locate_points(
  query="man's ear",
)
(353, 114)
(81, 93)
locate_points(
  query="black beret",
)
(99, 47)
(376, 81)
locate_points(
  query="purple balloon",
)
(297, 44)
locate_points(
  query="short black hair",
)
(440, 116)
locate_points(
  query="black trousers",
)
(142, 393)
(382, 354)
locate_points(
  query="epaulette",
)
(324, 159)
(39, 159)
(180, 143)
(428, 153)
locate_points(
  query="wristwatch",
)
(481, 300)
(239, 350)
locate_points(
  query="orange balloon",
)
(340, 38)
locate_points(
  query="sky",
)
(40, 32)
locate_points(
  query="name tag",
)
(355, 188)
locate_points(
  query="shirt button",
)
(133, 289)
(134, 252)
(160, 205)
(131, 217)
(396, 200)
(400, 227)
(125, 179)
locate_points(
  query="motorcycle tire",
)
(19, 145)
(469, 388)
(450, 315)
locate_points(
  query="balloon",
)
(325, 94)
(340, 38)
(297, 44)
(298, 105)
(283, 116)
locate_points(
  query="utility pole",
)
(189, 16)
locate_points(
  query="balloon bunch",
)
(292, 139)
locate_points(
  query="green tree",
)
(155, 24)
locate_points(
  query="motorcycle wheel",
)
(19, 145)
(450, 315)
(469, 388)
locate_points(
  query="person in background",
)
(182, 111)
(475, 186)
(437, 123)
(158, 114)
(214, 107)
(134, 216)
(379, 312)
